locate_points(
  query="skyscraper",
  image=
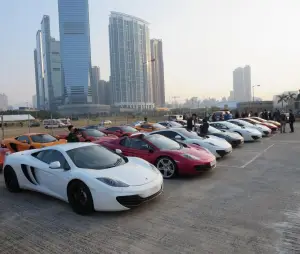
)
(40, 70)
(158, 77)
(75, 48)
(130, 62)
(95, 84)
(36, 79)
(242, 84)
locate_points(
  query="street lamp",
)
(144, 65)
(253, 90)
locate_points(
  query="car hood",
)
(212, 140)
(135, 172)
(263, 127)
(252, 131)
(203, 154)
(229, 134)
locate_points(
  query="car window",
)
(49, 156)
(146, 126)
(163, 143)
(113, 129)
(93, 133)
(136, 143)
(125, 142)
(22, 138)
(43, 138)
(128, 129)
(168, 134)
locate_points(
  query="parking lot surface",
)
(249, 204)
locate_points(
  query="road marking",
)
(227, 166)
(255, 157)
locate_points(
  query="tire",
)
(11, 180)
(80, 198)
(169, 170)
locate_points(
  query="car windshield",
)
(188, 134)
(94, 157)
(93, 133)
(43, 138)
(158, 126)
(231, 125)
(251, 120)
(163, 143)
(128, 129)
(213, 130)
(174, 124)
(246, 124)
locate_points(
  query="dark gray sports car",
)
(231, 137)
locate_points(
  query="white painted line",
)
(227, 166)
(255, 157)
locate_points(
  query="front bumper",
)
(128, 197)
(255, 137)
(237, 142)
(223, 152)
(196, 167)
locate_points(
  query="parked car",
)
(148, 127)
(3, 153)
(87, 176)
(249, 134)
(231, 137)
(90, 135)
(264, 130)
(30, 141)
(253, 121)
(219, 115)
(170, 157)
(120, 131)
(34, 124)
(261, 120)
(171, 124)
(217, 146)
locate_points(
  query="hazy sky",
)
(203, 40)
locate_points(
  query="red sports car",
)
(90, 135)
(170, 157)
(120, 131)
(253, 121)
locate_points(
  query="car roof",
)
(69, 146)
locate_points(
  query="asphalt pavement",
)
(249, 204)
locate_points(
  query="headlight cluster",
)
(112, 182)
(212, 144)
(190, 157)
(154, 168)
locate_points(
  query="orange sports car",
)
(148, 127)
(3, 153)
(30, 141)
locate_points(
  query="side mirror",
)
(177, 137)
(55, 165)
(151, 150)
(118, 151)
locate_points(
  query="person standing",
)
(291, 120)
(282, 122)
(204, 128)
(191, 123)
(226, 116)
(72, 137)
(237, 115)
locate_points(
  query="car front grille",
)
(136, 200)
(255, 137)
(236, 142)
(222, 152)
(266, 132)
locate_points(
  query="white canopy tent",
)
(17, 118)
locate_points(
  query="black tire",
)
(169, 171)
(11, 180)
(80, 198)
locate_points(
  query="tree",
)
(291, 97)
(282, 98)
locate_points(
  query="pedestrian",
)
(250, 114)
(276, 115)
(73, 135)
(204, 128)
(282, 122)
(265, 115)
(189, 123)
(291, 120)
(226, 116)
(237, 115)
(256, 114)
(145, 119)
(270, 115)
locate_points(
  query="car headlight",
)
(212, 144)
(154, 168)
(248, 131)
(190, 157)
(112, 182)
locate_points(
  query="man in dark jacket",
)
(291, 120)
(191, 122)
(72, 137)
(282, 122)
(204, 128)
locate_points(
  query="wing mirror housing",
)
(177, 137)
(118, 151)
(55, 165)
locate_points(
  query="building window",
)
(56, 69)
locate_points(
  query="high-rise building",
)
(34, 101)
(130, 62)
(40, 70)
(74, 29)
(95, 84)
(242, 84)
(36, 79)
(49, 88)
(3, 102)
(158, 77)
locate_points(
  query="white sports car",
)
(217, 146)
(87, 176)
(264, 130)
(249, 134)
